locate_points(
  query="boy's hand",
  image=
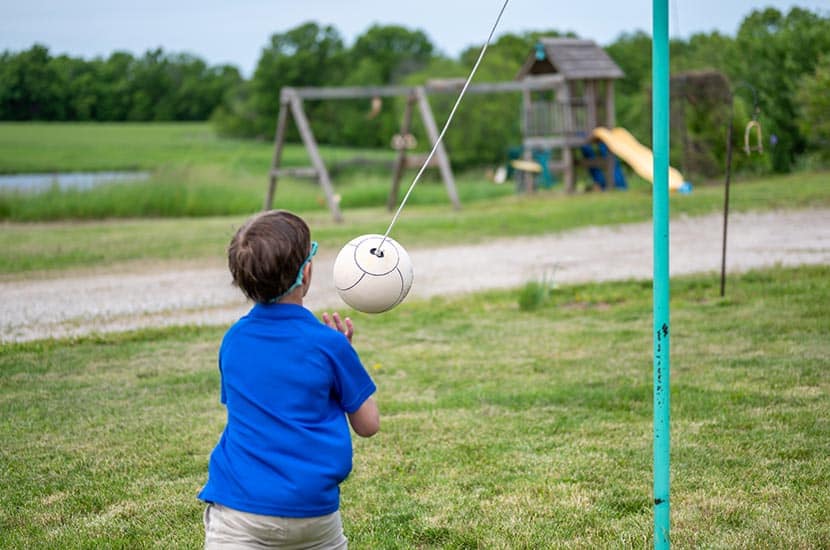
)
(340, 325)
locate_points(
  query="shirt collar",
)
(279, 311)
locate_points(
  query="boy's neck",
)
(295, 297)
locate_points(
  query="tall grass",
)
(44, 246)
(501, 428)
(77, 147)
(195, 173)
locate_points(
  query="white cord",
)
(377, 251)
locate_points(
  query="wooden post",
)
(564, 98)
(610, 115)
(569, 172)
(313, 152)
(279, 142)
(440, 152)
(610, 122)
(400, 161)
(528, 176)
(591, 104)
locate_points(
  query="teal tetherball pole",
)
(660, 210)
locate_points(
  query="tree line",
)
(777, 61)
(158, 86)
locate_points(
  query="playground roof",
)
(573, 58)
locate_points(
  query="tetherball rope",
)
(377, 251)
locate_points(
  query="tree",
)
(308, 55)
(30, 87)
(814, 107)
(113, 76)
(236, 115)
(632, 52)
(312, 55)
(485, 126)
(703, 51)
(394, 50)
(383, 55)
(159, 86)
(197, 89)
(355, 123)
(773, 52)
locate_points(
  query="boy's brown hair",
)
(266, 253)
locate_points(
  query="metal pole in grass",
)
(660, 213)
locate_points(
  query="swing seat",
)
(759, 141)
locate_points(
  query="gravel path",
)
(176, 293)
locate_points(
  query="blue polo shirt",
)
(287, 382)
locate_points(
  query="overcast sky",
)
(235, 31)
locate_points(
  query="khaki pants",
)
(229, 529)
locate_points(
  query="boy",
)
(288, 382)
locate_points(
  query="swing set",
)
(291, 105)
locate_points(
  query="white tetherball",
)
(372, 282)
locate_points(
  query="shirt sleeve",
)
(223, 398)
(352, 383)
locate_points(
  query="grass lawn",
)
(502, 427)
(203, 187)
(539, 437)
(26, 247)
(193, 173)
(81, 147)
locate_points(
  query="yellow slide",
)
(635, 154)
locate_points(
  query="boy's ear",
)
(306, 277)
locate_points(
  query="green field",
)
(537, 438)
(203, 187)
(62, 245)
(510, 419)
(193, 173)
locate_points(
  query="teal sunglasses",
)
(299, 280)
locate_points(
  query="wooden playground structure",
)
(563, 121)
(567, 88)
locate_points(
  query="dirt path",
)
(175, 294)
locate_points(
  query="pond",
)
(66, 180)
